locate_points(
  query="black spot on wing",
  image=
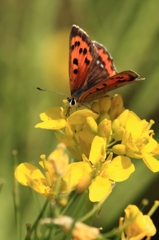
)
(75, 61)
(117, 77)
(87, 61)
(97, 89)
(77, 43)
(75, 71)
(77, 31)
(84, 51)
(121, 81)
(80, 50)
(132, 78)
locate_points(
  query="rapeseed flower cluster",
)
(103, 140)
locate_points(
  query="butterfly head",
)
(71, 101)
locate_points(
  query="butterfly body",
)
(91, 69)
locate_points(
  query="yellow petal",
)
(120, 168)
(99, 188)
(151, 162)
(150, 227)
(79, 117)
(57, 161)
(52, 113)
(86, 136)
(156, 151)
(26, 169)
(122, 118)
(133, 125)
(151, 145)
(75, 172)
(66, 139)
(98, 150)
(29, 175)
(52, 124)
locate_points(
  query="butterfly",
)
(92, 72)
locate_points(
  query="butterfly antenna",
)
(140, 79)
(46, 90)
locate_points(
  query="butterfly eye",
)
(71, 101)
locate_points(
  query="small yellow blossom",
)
(101, 171)
(140, 225)
(78, 130)
(45, 184)
(73, 130)
(104, 128)
(53, 119)
(136, 140)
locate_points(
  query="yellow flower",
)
(102, 172)
(124, 132)
(136, 139)
(78, 130)
(53, 119)
(140, 225)
(72, 130)
(45, 184)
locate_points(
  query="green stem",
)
(28, 237)
(69, 203)
(153, 209)
(93, 210)
(16, 200)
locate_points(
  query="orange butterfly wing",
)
(109, 84)
(86, 67)
(91, 68)
(82, 54)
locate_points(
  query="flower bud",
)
(103, 116)
(116, 106)
(119, 149)
(118, 135)
(95, 107)
(115, 125)
(104, 128)
(104, 104)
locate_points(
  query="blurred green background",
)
(34, 53)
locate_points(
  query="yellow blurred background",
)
(34, 38)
